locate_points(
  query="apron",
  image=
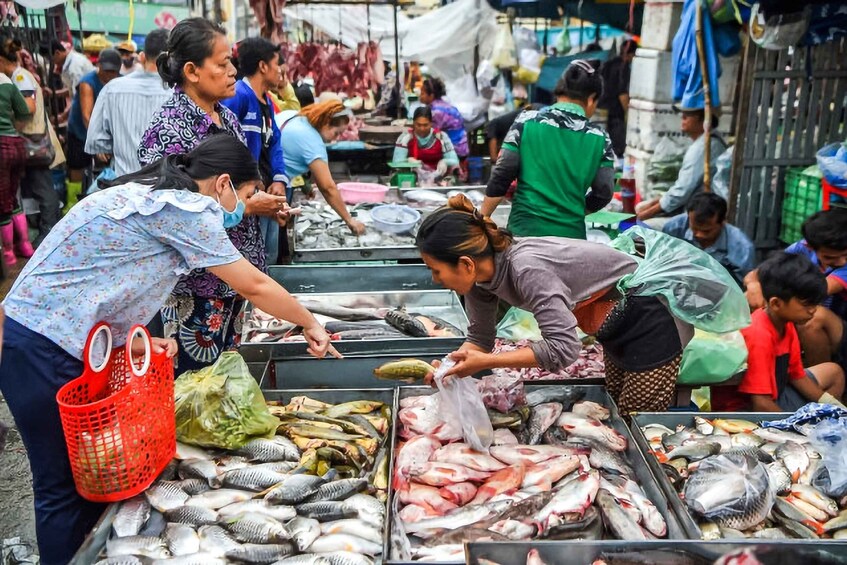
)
(591, 313)
(429, 156)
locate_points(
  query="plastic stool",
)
(829, 190)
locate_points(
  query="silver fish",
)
(121, 560)
(166, 495)
(200, 469)
(543, 416)
(155, 525)
(229, 463)
(338, 490)
(131, 516)
(347, 558)
(703, 426)
(295, 489)
(194, 486)
(260, 553)
(268, 450)
(747, 439)
(345, 542)
(185, 451)
(137, 545)
(779, 477)
(601, 457)
(794, 456)
(181, 539)
(304, 531)
(194, 516)
(564, 395)
(779, 436)
(304, 559)
(251, 527)
(275, 511)
(194, 559)
(681, 437)
(837, 523)
(695, 451)
(354, 527)
(219, 498)
(459, 518)
(216, 541)
(771, 533)
(325, 510)
(367, 508)
(617, 518)
(250, 478)
(816, 498)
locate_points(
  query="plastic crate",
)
(803, 197)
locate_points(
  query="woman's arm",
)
(326, 184)
(268, 295)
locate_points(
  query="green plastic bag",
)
(518, 324)
(697, 289)
(221, 406)
(711, 358)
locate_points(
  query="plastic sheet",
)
(517, 325)
(711, 358)
(459, 401)
(829, 437)
(697, 289)
(221, 406)
(832, 160)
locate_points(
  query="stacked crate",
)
(651, 116)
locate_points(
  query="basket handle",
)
(140, 331)
(104, 328)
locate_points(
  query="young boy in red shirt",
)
(775, 381)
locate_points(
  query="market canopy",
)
(615, 13)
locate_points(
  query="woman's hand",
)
(357, 227)
(469, 362)
(160, 345)
(264, 204)
(319, 342)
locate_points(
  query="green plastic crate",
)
(803, 197)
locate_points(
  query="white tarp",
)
(39, 4)
(349, 24)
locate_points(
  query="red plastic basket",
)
(119, 419)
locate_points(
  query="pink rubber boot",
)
(23, 247)
(7, 235)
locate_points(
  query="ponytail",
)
(460, 230)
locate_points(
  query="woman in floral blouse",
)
(203, 312)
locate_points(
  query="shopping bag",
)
(711, 358)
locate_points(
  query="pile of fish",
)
(431, 199)
(589, 365)
(741, 480)
(313, 495)
(555, 471)
(319, 227)
(349, 323)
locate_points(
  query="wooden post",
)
(707, 100)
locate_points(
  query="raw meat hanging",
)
(336, 68)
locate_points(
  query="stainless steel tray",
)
(643, 475)
(94, 544)
(353, 371)
(300, 279)
(672, 420)
(442, 303)
(695, 552)
(500, 215)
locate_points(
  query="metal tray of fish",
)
(354, 371)
(94, 545)
(671, 420)
(635, 457)
(664, 552)
(442, 303)
(500, 215)
(314, 279)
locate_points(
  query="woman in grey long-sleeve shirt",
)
(565, 283)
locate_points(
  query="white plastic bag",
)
(459, 400)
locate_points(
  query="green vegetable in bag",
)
(221, 406)
(698, 289)
(712, 358)
(518, 324)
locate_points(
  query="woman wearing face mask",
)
(430, 146)
(304, 139)
(116, 257)
(564, 283)
(203, 312)
(563, 163)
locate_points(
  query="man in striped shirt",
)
(125, 107)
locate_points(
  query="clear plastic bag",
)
(723, 166)
(829, 438)
(711, 358)
(221, 406)
(695, 286)
(459, 401)
(832, 160)
(517, 325)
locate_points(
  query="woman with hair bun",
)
(563, 163)
(116, 257)
(565, 284)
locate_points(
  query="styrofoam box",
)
(652, 78)
(648, 122)
(660, 24)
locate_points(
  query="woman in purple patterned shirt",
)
(204, 313)
(445, 116)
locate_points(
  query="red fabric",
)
(430, 156)
(764, 345)
(12, 164)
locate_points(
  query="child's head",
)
(826, 233)
(792, 286)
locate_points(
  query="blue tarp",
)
(553, 67)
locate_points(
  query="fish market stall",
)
(364, 322)
(318, 487)
(653, 553)
(365, 277)
(727, 477)
(529, 486)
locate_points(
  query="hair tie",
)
(478, 216)
(584, 65)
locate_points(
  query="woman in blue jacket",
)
(258, 62)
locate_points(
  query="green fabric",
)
(560, 153)
(12, 107)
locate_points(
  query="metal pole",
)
(397, 62)
(707, 101)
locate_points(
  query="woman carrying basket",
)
(115, 258)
